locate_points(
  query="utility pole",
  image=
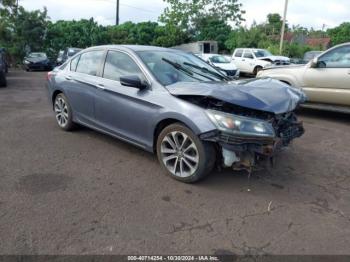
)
(283, 25)
(117, 14)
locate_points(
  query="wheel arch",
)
(54, 94)
(163, 124)
(197, 127)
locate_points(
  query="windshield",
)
(72, 52)
(36, 55)
(172, 67)
(261, 53)
(218, 59)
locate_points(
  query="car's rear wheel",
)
(257, 69)
(3, 82)
(183, 155)
(63, 112)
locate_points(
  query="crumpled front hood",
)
(263, 94)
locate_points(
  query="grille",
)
(231, 72)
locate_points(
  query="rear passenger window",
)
(89, 62)
(74, 63)
(119, 64)
(239, 53)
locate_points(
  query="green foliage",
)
(187, 14)
(22, 30)
(274, 24)
(203, 19)
(211, 28)
(81, 34)
(250, 38)
(146, 33)
(340, 34)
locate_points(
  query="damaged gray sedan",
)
(176, 105)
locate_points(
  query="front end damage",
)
(245, 137)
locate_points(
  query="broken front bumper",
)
(244, 152)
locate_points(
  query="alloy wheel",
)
(179, 154)
(61, 110)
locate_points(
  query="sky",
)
(308, 13)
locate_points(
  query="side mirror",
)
(133, 81)
(314, 63)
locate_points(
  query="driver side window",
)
(337, 58)
(120, 64)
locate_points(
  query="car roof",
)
(137, 48)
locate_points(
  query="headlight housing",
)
(240, 125)
(26, 62)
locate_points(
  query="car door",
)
(237, 59)
(122, 110)
(81, 82)
(248, 61)
(329, 80)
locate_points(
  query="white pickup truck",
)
(251, 60)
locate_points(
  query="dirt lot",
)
(87, 193)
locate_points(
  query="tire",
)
(184, 157)
(63, 113)
(257, 69)
(3, 82)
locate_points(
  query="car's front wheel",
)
(183, 155)
(3, 82)
(63, 112)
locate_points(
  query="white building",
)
(200, 47)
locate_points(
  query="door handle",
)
(69, 78)
(100, 86)
(243, 59)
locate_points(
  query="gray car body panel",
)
(263, 94)
(132, 114)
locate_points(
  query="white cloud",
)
(309, 13)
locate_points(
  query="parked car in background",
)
(325, 79)
(67, 53)
(59, 58)
(251, 60)
(308, 56)
(3, 68)
(175, 104)
(37, 61)
(5, 59)
(221, 63)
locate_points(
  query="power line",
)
(127, 5)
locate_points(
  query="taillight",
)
(49, 75)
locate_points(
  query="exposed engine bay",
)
(245, 152)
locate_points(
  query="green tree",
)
(340, 34)
(191, 15)
(211, 28)
(169, 35)
(251, 38)
(274, 24)
(21, 31)
(83, 33)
